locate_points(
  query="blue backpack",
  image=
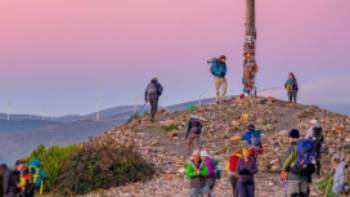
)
(306, 154)
(218, 69)
(37, 174)
(253, 138)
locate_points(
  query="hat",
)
(196, 117)
(294, 133)
(204, 153)
(251, 127)
(315, 122)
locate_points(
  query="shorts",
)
(297, 187)
(199, 192)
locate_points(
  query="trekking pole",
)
(200, 99)
(135, 107)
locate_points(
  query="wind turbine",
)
(200, 98)
(98, 108)
(8, 110)
(135, 104)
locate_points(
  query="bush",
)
(133, 117)
(102, 165)
(169, 128)
(52, 159)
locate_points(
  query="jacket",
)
(197, 181)
(10, 182)
(218, 69)
(246, 170)
(191, 124)
(153, 90)
(211, 169)
(293, 84)
(289, 165)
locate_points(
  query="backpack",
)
(217, 169)
(256, 139)
(317, 134)
(306, 159)
(37, 174)
(152, 89)
(217, 69)
(195, 127)
(233, 161)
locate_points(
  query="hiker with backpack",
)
(153, 91)
(315, 133)
(299, 166)
(213, 171)
(193, 133)
(10, 181)
(24, 180)
(294, 136)
(246, 168)
(232, 171)
(37, 176)
(253, 139)
(196, 170)
(218, 70)
(292, 88)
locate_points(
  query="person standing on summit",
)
(292, 88)
(153, 91)
(218, 70)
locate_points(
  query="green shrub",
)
(169, 128)
(102, 165)
(133, 117)
(52, 159)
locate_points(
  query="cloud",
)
(329, 93)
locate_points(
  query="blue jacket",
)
(252, 138)
(218, 69)
(293, 83)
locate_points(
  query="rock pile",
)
(223, 123)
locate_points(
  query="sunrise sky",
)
(65, 53)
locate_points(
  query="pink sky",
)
(68, 52)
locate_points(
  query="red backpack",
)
(234, 161)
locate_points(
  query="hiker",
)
(292, 88)
(24, 186)
(210, 178)
(299, 166)
(153, 91)
(10, 181)
(294, 136)
(232, 171)
(218, 70)
(193, 133)
(340, 183)
(196, 170)
(315, 133)
(253, 139)
(246, 168)
(37, 177)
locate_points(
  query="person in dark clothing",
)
(315, 133)
(298, 179)
(292, 88)
(10, 181)
(153, 91)
(246, 168)
(193, 133)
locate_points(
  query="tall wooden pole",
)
(250, 67)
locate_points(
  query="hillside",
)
(223, 122)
